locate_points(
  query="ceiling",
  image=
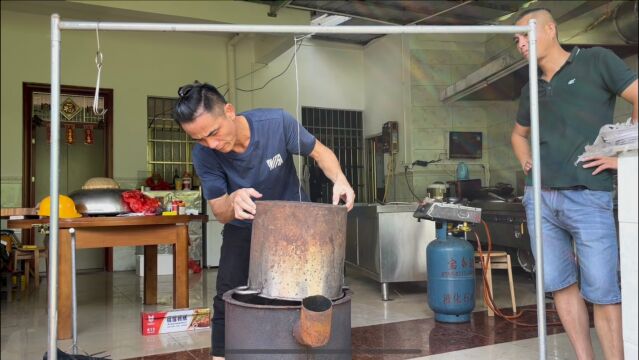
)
(583, 23)
(574, 16)
(400, 12)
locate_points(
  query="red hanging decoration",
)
(70, 133)
(49, 133)
(88, 134)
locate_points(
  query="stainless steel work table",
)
(387, 244)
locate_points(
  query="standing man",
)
(577, 94)
(239, 158)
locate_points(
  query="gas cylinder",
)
(451, 277)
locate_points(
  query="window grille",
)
(341, 131)
(168, 146)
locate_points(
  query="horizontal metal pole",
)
(295, 29)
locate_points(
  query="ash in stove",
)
(255, 299)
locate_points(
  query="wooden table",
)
(111, 231)
(5, 213)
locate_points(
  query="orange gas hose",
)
(488, 299)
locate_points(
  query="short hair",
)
(196, 98)
(532, 10)
(539, 9)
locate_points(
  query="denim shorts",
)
(586, 218)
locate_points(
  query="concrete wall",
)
(142, 64)
(437, 61)
(134, 66)
(396, 78)
(329, 75)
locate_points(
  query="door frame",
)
(29, 144)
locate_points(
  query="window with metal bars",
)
(341, 131)
(168, 146)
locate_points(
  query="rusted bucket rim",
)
(317, 303)
(228, 297)
(298, 203)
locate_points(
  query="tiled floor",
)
(109, 307)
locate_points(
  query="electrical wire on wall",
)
(241, 77)
(408, 183)
(296, 47)
(297, 108)
(256, 70)
(420, 163)
(391, 174)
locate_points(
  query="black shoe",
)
(64, 356)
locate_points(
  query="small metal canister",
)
(178, 207)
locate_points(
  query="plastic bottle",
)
(462, 171)
(186, 181)
(177, 183)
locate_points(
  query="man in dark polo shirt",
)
(577, 94)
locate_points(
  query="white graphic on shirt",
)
(274, 162)
(571, 82)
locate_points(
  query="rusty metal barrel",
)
(297, 250)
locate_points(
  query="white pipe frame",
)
(57, 26)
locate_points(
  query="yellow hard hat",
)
(66, 207)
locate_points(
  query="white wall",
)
(383, 84)
(437, 61)
(330, 75)
(136, 65)
(141, 64)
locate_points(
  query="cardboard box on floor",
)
(162, 322)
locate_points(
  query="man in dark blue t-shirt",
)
(241, 157)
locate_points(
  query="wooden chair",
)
(22, 257)
(7, 266)
(498, 260)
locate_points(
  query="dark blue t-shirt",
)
(266, 165)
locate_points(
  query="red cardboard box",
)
(162, 322)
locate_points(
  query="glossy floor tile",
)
(109, 306)
(558, 348)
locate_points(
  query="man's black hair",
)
(196, 98)
(534, 10)
(530, 11)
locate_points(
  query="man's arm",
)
(521, 147)
(330, 166)
(630, 95)
(239, 205)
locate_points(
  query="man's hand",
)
(601, 162)
(526, 166)
(342, 190)
(242, 202)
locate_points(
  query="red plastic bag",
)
(140, 203)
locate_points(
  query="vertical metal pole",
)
(53, 181)
(534, 124)
(74, 297)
